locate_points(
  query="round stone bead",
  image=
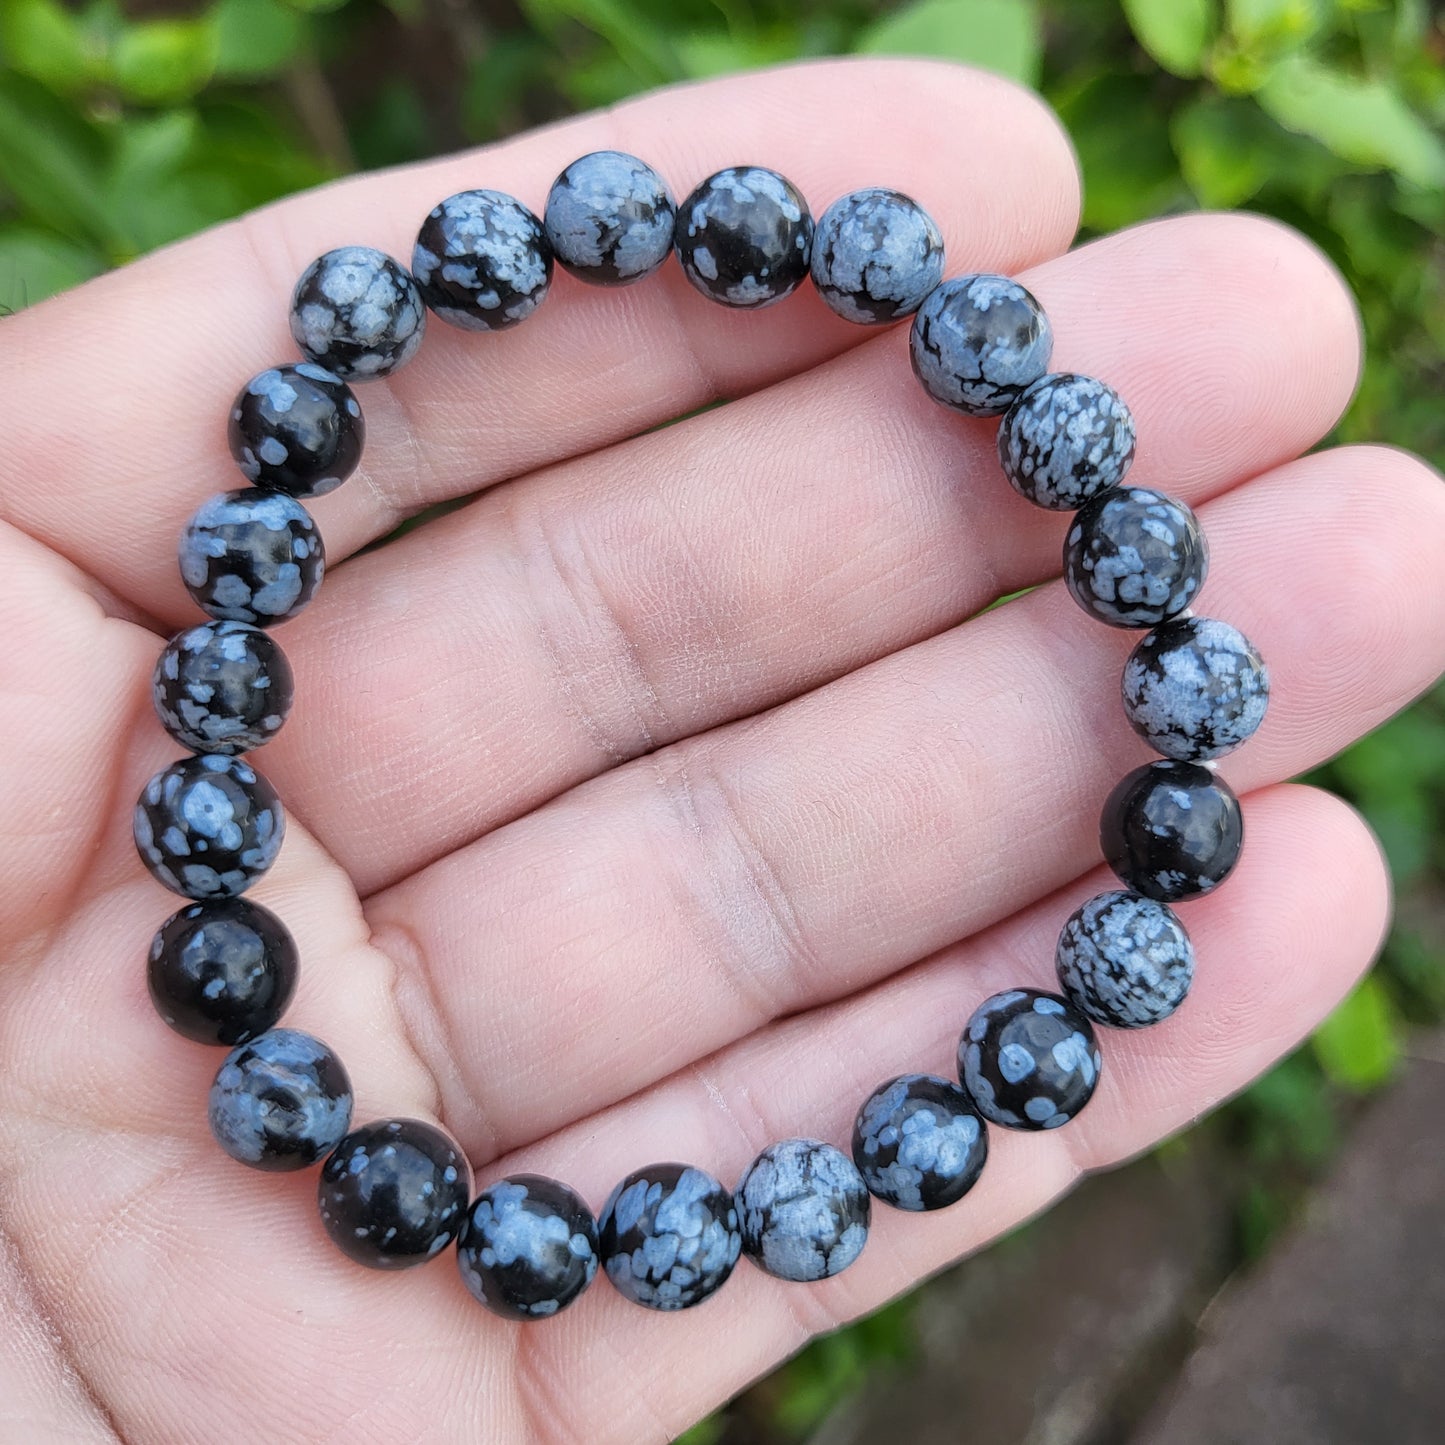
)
(394, 1193)
(919, 1143)
(280, 1102)
(482, 261)
(222, 972)
(609, 219)
(1028, 1059)
(1195, 688)
(222, 687)
(1066, 439)
(1134, 557)
(744, 237)
(978, 341)
(208, 826)
(876, 255)
(1125, 960)
(669, 1236)
(251, 556)
(296, 429)
(804, 1210)
(1172, 830)
(357, 313)
(528, 1247)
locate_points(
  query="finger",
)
(680, 901)
(163, 345)
(1299, 920)
(705, 572)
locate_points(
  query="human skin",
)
(672, 795)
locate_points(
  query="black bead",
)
(222, 972)
(1135, 557)
(669, 1236)
(394, 1193)
(919, 1143)
(280, 1102)
(609, 219)
(1172, 830)
(744, 237)
(222, 687)
(1028, 1059)
(296, 429)
(528, 1247)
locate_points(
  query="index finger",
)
(114, 397)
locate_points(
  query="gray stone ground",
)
(1336, 1338)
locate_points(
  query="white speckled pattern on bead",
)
(804, 1210)
(919, 1143)
(876, 254)
(357, 313)
(609, 219)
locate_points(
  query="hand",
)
(671, 795)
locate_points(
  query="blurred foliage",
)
(124, 127)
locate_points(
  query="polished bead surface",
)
(280, 1102)
(1125, 960)
(222, 687)
(1066, 439)
(1172, 830)
(208, 826)
(482, 261)
(357, 313)
(1195, 688)
(1134, 557)
(978, 341)
(609, 219)
(804, 1210)
(1028, 1059)
(394, 1193)
(876, 255)
(296, 429)
(528, 1247)
(251, 556)
(669, 1236)
(744, 237)
(222, 972)
(919, 1142)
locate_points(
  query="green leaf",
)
(256, 38)
(160, 62)
(999, 35)
(42, 40)
(1174, 32)
(1357, 1045)
(1362, 121)
(1273, 24)
(35, 263)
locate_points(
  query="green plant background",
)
(124, 127)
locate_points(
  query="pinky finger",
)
(1302, 916)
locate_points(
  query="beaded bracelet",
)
(222, 970)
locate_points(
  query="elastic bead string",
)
(395, 1192)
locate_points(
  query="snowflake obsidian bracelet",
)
(396, 1192)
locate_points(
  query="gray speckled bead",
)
(669, 1236)
(804, 1210)
(744, 237)
(482, 261)
(357, 313)
(1066, 439)
(978, 341)
(1028, 1059)
(296, 429)
(1125, 960)
(876, 255)
(1195, 688)
(222, 687)
(528, 1247)
(280, 1102)
(609, 219)
(251, 556)
(919, 1142)
(208, 826)
(1134, 558)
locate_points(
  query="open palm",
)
(669, 796)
